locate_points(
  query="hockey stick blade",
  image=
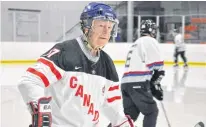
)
(200, 124)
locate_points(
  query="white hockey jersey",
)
(143, 57)
(80, 88)
(179, 43)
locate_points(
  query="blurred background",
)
(49, 21)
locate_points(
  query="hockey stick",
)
(200, 124)
(169, 125)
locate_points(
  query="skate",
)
(185, 66)
(176, 65)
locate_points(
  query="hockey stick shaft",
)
(169, 125)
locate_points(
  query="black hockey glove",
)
(157, 76)
(157, 91)
(155, 85)
(41, 112)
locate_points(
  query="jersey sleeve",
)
(153, 56)
(112, 106)
(44, 73)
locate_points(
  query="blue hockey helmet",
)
(98, 11)
(148, 27)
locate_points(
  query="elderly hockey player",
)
(72, 81)
(142, 76)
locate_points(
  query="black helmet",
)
(148, 27)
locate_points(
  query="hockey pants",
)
(182, 54)
(136, 100)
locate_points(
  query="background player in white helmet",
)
(72, 81)
(180, 48)
(142, 76)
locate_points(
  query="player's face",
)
(100, 33)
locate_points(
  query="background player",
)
(142, 76)
(179, 48)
